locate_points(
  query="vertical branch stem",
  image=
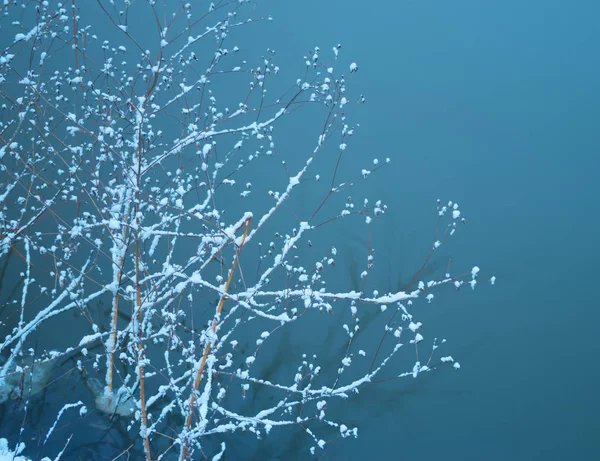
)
(75, 34)
(207, 349)
(141, 354)
(113, 331)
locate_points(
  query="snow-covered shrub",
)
(151, 248)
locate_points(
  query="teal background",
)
(495, 105)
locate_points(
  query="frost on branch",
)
(158, 281)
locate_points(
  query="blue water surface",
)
(494, 105)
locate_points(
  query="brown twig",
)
(208, 346)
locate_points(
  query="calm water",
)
(496, 107)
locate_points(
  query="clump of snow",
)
(112, 403)
(6, 454)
